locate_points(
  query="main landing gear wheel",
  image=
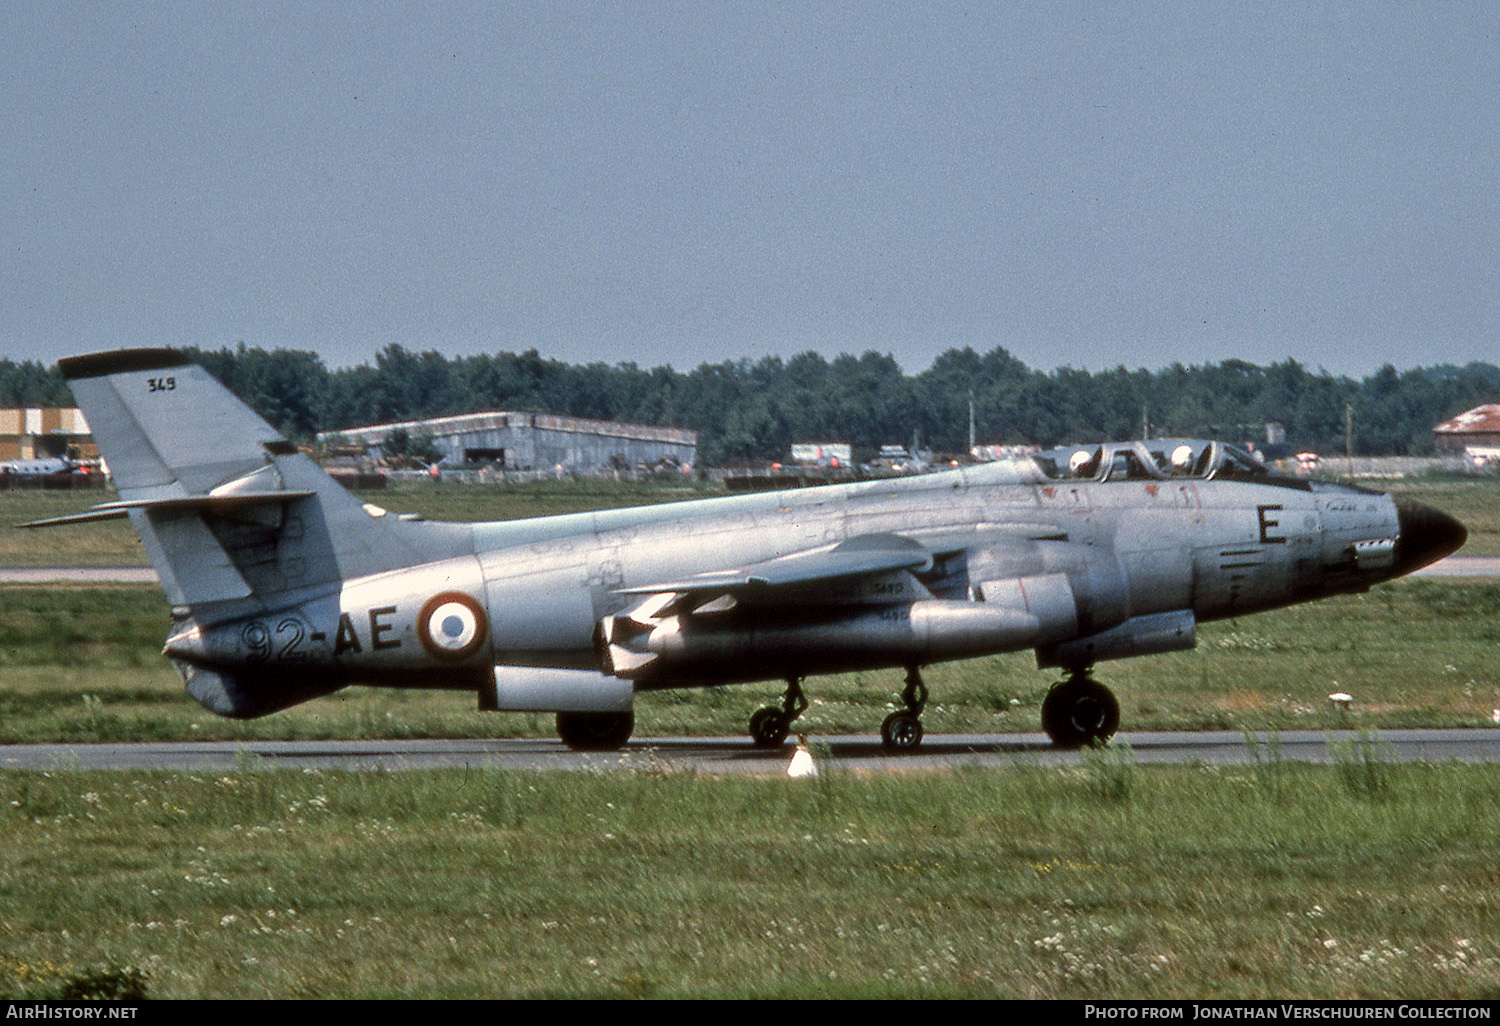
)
(770, 726)
(902, 729)
(595, 732)
(1080, 711)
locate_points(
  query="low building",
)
(1476, 428)
(533, 441)
(39, 433)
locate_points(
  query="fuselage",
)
(1024, 556)
(1218, 548)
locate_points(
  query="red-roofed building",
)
(1479, 427)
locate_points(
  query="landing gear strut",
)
(902, 729)
(1080, 711)
(770, 726)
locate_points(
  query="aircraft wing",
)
(823, 569)
(861, 556)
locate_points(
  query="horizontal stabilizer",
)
(199, 503)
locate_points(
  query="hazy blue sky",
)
(1085, 184)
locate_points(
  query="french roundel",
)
(452, 626)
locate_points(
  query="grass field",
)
(1364, 879)
(1475, 501)
(1104, 881)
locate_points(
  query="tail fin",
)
(230, 512)
(163, 425)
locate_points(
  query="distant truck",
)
(835, 455)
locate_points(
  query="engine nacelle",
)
(1141, 635)
(1090, 597)
(1047, 597)
(1102, 592)
(543, 689)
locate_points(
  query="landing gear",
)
(1080, 711)
(595, 732)
(902, 729)
(770, 726)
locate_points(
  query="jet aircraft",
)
(285, 587)
(43, 466)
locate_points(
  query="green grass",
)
(1026, 883)
(1475, 501)
(107, 543)
(1106, 880)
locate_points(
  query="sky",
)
(1085, 184)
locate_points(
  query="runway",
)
(859, 754)
(78, 575)
(1462, 566)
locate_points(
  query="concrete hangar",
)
(535, 441)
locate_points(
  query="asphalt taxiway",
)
(855, 753)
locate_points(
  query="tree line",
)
(756, 409)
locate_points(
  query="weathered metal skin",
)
(1012, 577)
(284, 586)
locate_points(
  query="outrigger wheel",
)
(1080, 711)
(770, 726)
(902, 729)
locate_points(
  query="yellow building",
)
(39, 433)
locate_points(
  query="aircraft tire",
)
(769, 727)
(1080, 711)
(595, 731)
(901, 732)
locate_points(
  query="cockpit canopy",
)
(1156, 459)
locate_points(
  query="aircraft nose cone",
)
(1427, 535)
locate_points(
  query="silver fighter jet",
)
(285, 587)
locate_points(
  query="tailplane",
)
(232, 515)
